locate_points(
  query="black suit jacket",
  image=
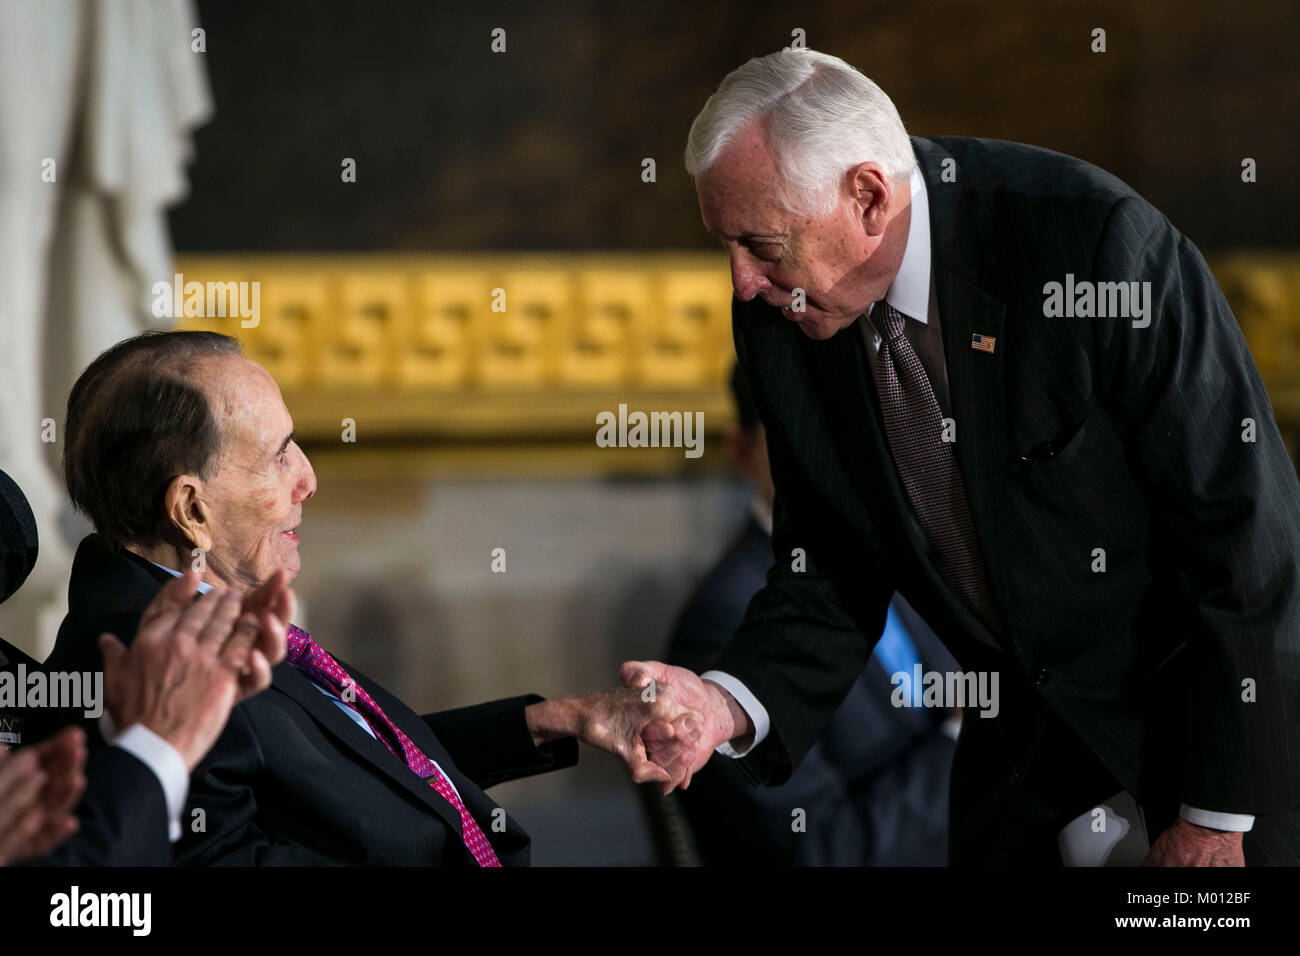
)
(874, 786)
(1145, 662)
(293, 781)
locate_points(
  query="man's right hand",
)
(192, 661)
(682, 754)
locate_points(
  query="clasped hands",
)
(664, 722)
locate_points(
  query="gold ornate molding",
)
(503, 361)
(504, 328)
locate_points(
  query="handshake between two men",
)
(664, 722)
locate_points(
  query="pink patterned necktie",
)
(317, 664)
(927, 465)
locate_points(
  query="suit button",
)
(1041, 677)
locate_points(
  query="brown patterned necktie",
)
(927, 466)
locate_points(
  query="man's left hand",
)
(1186, 844)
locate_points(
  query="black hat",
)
(17, 537)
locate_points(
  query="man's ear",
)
(188, 510)
(872, 191)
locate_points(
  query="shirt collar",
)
(204, 587)
(910, 291)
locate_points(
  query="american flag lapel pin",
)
(983, 343)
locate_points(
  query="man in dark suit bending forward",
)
(998, 381)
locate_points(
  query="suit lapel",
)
(288, 680)
(976, 390)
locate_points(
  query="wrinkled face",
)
(261, 478)
(843, 261)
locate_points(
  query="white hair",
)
(822, 118)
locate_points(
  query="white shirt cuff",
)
(748, 703)
(1236, 822)
(166, 763)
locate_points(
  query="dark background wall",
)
(459, 148)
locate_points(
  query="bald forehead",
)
(226, 380)
(243, 397)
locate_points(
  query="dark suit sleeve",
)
(491, 743)
(1226, 509)
(123, 817)
(799, 649)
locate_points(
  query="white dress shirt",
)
(912, 294)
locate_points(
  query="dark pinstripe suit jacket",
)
(1147, 661)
